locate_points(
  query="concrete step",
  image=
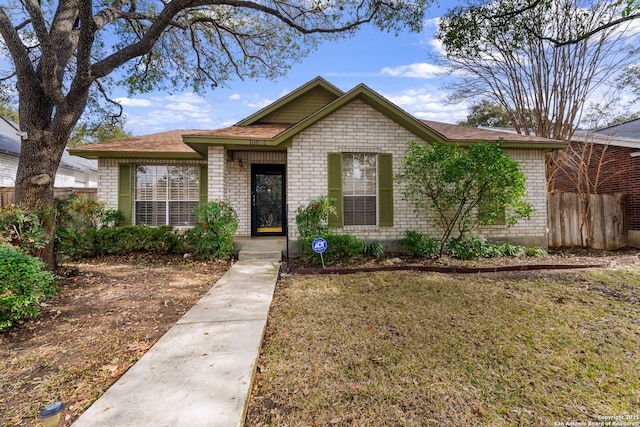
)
(253, 253)
(273, 243)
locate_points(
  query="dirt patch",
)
(107, 313)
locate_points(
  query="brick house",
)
(315, 141)
(612, 166)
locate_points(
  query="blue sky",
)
(398, 68)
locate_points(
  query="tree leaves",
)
(460, 188)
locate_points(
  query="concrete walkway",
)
(200, 372)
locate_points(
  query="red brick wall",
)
(619, 173)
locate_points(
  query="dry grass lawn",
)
(425, 349)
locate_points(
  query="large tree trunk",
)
(46, 135)
(39, 159)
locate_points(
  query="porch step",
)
(253, 253)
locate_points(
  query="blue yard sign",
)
(319, 245)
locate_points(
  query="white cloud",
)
(427, 103)
(259, 103)
(133, 102)
(187, 97)
(182, 106)
(179, 111)
(420, 70)
(251, 100)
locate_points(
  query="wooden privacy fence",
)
(597, 221)
(8, 194)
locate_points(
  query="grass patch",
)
(412, 349)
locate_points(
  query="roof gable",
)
(297, 105)
(375, 101)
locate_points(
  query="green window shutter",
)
(125, 201)
(334, 174)
(385, 189)
(204, 184)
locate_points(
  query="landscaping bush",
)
(78, 218)
(312, 222)
(136, 238)
(420, 245)
(471, 247)
(312, 219)
(22, 229)
(475, 247)
(212, 236)
(339, 247)
(373, 249)
(535, 251)
(510, 250)
(24, 284)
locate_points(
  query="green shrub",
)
(312, 219)
(212, 236)
(374, 249)
(22, 229)
(420, 245)
(137, 238)
(24, 284)
(340, 247)
(471, 247)
(510, 250)
(535, 251)
(78, 218)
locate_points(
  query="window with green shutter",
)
(362, 185)
(124, 192)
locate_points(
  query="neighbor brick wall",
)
(359, 128)
(619, 173)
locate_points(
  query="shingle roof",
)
(472, 134)
(628, 129)
(257, 131)
(247, 132)
(10, 143)
(158, 143)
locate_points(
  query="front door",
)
(267, 200)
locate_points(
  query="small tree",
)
(460, 188)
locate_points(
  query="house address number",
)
(257, 142)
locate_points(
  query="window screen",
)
(359, 188)
(166, 194)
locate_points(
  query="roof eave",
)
(540, 145)
(136, 154)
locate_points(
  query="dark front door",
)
(267, 200)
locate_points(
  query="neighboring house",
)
(613, 166)
(73, 171)
(318, 140)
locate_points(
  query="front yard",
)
(107, 314)
(366, 349)
(404, 348)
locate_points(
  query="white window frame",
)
(159, 185)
